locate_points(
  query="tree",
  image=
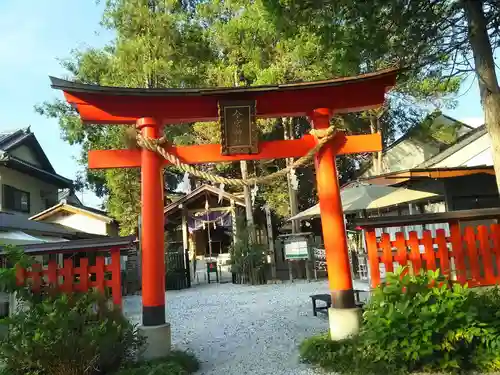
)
(483, 21)
(261, 46)
(219, 43)
(156, 45)
(443, 39)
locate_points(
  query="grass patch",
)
(335, 356)
(341, 357)
(176, 363)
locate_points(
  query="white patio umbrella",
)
(365, 197)
(360, 196)
(400, 196)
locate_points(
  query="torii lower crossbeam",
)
(204, 154)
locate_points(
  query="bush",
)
(177, 363)
(77, 334)
(409, 326)
(60, 334)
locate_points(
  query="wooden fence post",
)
(116, 285)
(373, 258)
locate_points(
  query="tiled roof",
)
(10, 221)
(196, 193)
(63, 205)
(418, 135)
(69, 196)
(9, 140)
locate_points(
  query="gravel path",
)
(239, 329)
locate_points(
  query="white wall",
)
(473, 154)
(29, 184)
(80, 222)
(483, 158)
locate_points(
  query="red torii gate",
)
(151, 109)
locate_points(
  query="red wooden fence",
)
(471, 255)
(106, 276)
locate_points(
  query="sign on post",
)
(296, 247)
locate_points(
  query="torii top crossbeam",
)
(236, 108)
(117, 105)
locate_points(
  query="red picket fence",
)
(70, 278)
(471, 255)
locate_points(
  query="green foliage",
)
(15, 257)
(176, 363)
(409, 326)
(60, 334)
(248, 260)
(68, 334)
(156, 45)
(335, 356)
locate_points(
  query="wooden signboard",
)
(238, 127)
(296, 246)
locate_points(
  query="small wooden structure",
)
(84, 266)
(204, 206)
(466, 248)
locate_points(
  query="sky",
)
(35, 36)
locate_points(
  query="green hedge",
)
(410, 327)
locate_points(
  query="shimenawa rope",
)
(158, 146)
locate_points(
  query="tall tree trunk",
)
(292, 193)
(376, 157)
(485, 71)
(248, 203)
(246, 189)
(294, 207)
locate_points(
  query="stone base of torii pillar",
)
(158, 341)
(344, 323)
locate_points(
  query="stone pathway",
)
(239, 329)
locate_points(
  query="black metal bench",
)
(327, 298)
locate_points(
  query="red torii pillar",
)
(152, 229)
(150, 110)
(344, 317)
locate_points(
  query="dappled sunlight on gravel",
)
(238, 329)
